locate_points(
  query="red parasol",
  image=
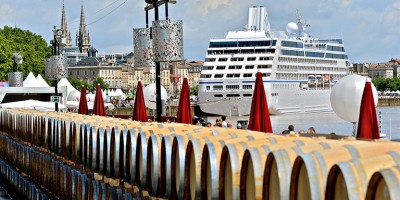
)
(98, 107)
(367, 121)
(139, 111)
(184, 109)
(259, 114)
(83, 107)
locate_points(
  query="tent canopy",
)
(34, 105)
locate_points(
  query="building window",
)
(77, 73)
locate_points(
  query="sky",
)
(370, 29)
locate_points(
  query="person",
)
(291, 129)
(311, 130)
(301, 131)
(218, 123)
(224, 122)
(208, 124)
(285, 132)
(239, 126)
(228, 124)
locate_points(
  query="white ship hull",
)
(289, 101)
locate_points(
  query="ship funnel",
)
(258, 20)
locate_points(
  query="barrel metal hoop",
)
(353, 151)
(350, 178)
(272, 140)
(396, 157)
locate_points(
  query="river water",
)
(330, 122)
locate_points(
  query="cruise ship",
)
(298, 69)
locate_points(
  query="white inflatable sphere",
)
(74, 96)
(346, 97)
(291, 28)
(149, 93)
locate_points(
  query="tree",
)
(194, 90)
(77, 83)
(100, 80)
(32, 47)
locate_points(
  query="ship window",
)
(223, 59)
(232, 87)
(314, 54)
(218, 87)
(218, 95)
(247, 75)
(266, 74)
(247, 95)
(292, 53)
(237, 59)
(249, 67)
(335, 48)
(251, 58)
(208, 87)
(265, 58)
(235, 67)
(208, 67)
(247, 87)
(210, 59)
(233, 75)
(233, 95)
(218, 75)
(264, 66)
(220, 67)
(205, 76)
(292, 44)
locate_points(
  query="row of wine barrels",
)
(60, 180)
(19, 186)
(183, 161)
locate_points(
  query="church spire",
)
(83, 39)
(66, 36)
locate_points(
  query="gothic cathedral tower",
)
(66, 40)
(82, 36)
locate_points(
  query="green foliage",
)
(194, 90)
(77, 83)
(100, 80)
(383, 84)
(32, 47)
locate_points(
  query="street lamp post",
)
(15, 78)
(56, 67)
(167, 43)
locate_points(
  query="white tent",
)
(75, 104)
(33, 104)
(30, 81)
(65, 82)
(41, 81)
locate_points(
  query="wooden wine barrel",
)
(278, 166)
(384, 184)
(312, 169)
(165, 168)
(117, 151)
(130, 156)
(349, 179)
